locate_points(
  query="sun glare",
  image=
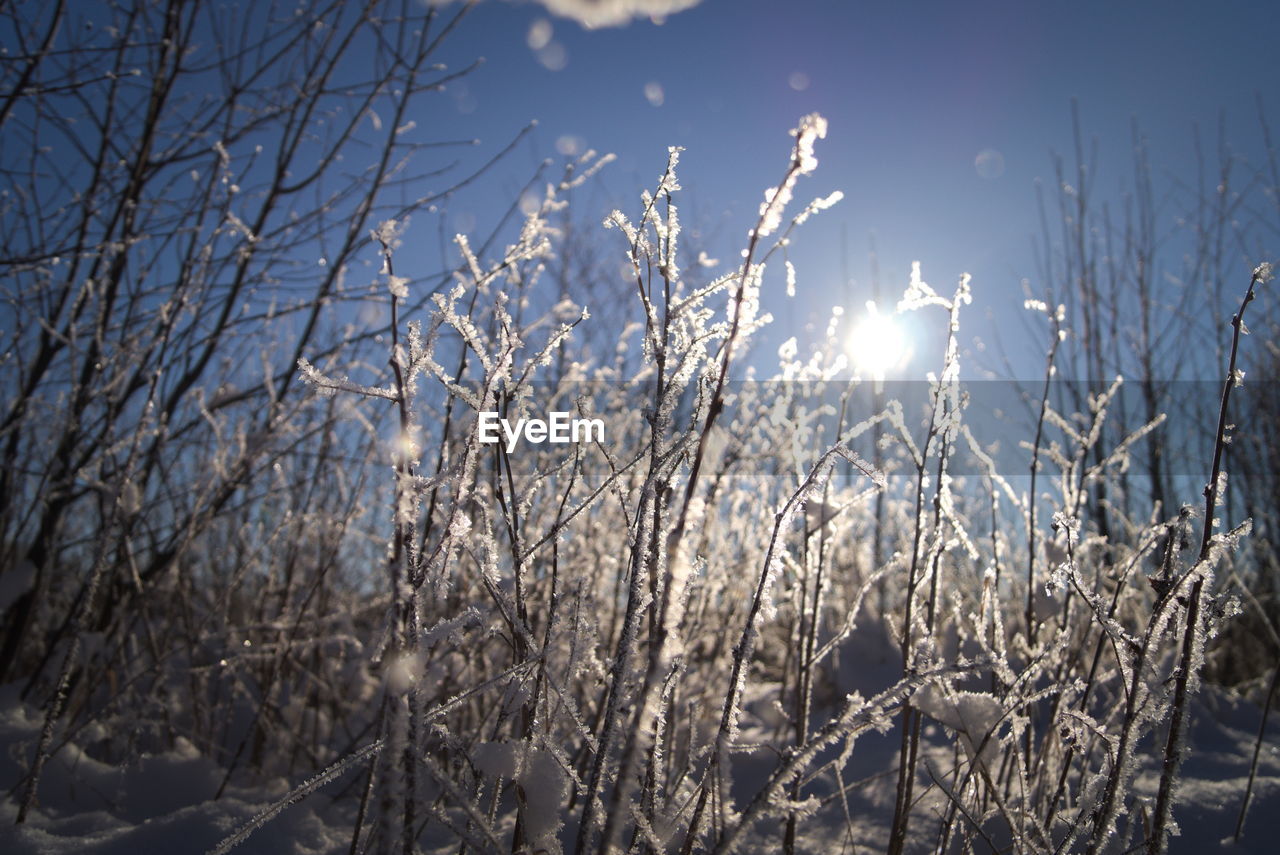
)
(877, 344)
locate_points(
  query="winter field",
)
(566, 544)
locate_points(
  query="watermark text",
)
(558, 427)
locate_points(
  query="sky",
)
(942, 119)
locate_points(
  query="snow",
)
(158, 803)
(974, 716)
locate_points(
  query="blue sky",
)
(915, 93)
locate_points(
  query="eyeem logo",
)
(559, 427)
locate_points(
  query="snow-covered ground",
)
(164, 802)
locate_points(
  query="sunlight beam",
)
(877, 343)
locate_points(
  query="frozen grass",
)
(633, 641)
(340, 622)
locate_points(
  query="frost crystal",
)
(389, 231)
(788, 350)
(775, 200)
(1066, 523)
(972, 715)
(1059, 579)
(812, 127)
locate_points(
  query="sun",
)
(877, 343)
